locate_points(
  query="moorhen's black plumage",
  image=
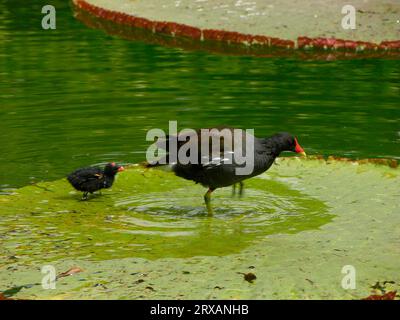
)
(92, 179)
(214, 171)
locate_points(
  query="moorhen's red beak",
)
(299, 149)
(121, 169)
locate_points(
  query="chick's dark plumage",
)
(91, 179)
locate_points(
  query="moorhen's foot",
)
(85, 196)
(241, 187)
(207, 200)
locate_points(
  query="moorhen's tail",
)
(73, 180)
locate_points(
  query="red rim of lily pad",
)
(228, 42)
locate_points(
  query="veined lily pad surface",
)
(149, 236)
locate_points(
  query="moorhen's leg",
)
(233, 189)
(85, 196)
(241, 186)
(207, 200)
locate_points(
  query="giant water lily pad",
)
(153, 214)
(296, 227)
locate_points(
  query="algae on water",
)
(296, 226)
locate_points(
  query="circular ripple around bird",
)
(268, 207)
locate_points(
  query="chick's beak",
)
(303, 154)
(121, 169)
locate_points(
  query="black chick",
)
(92, 179)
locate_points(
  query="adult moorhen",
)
(213, 170)
(92, 179)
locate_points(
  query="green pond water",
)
(76, 96)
